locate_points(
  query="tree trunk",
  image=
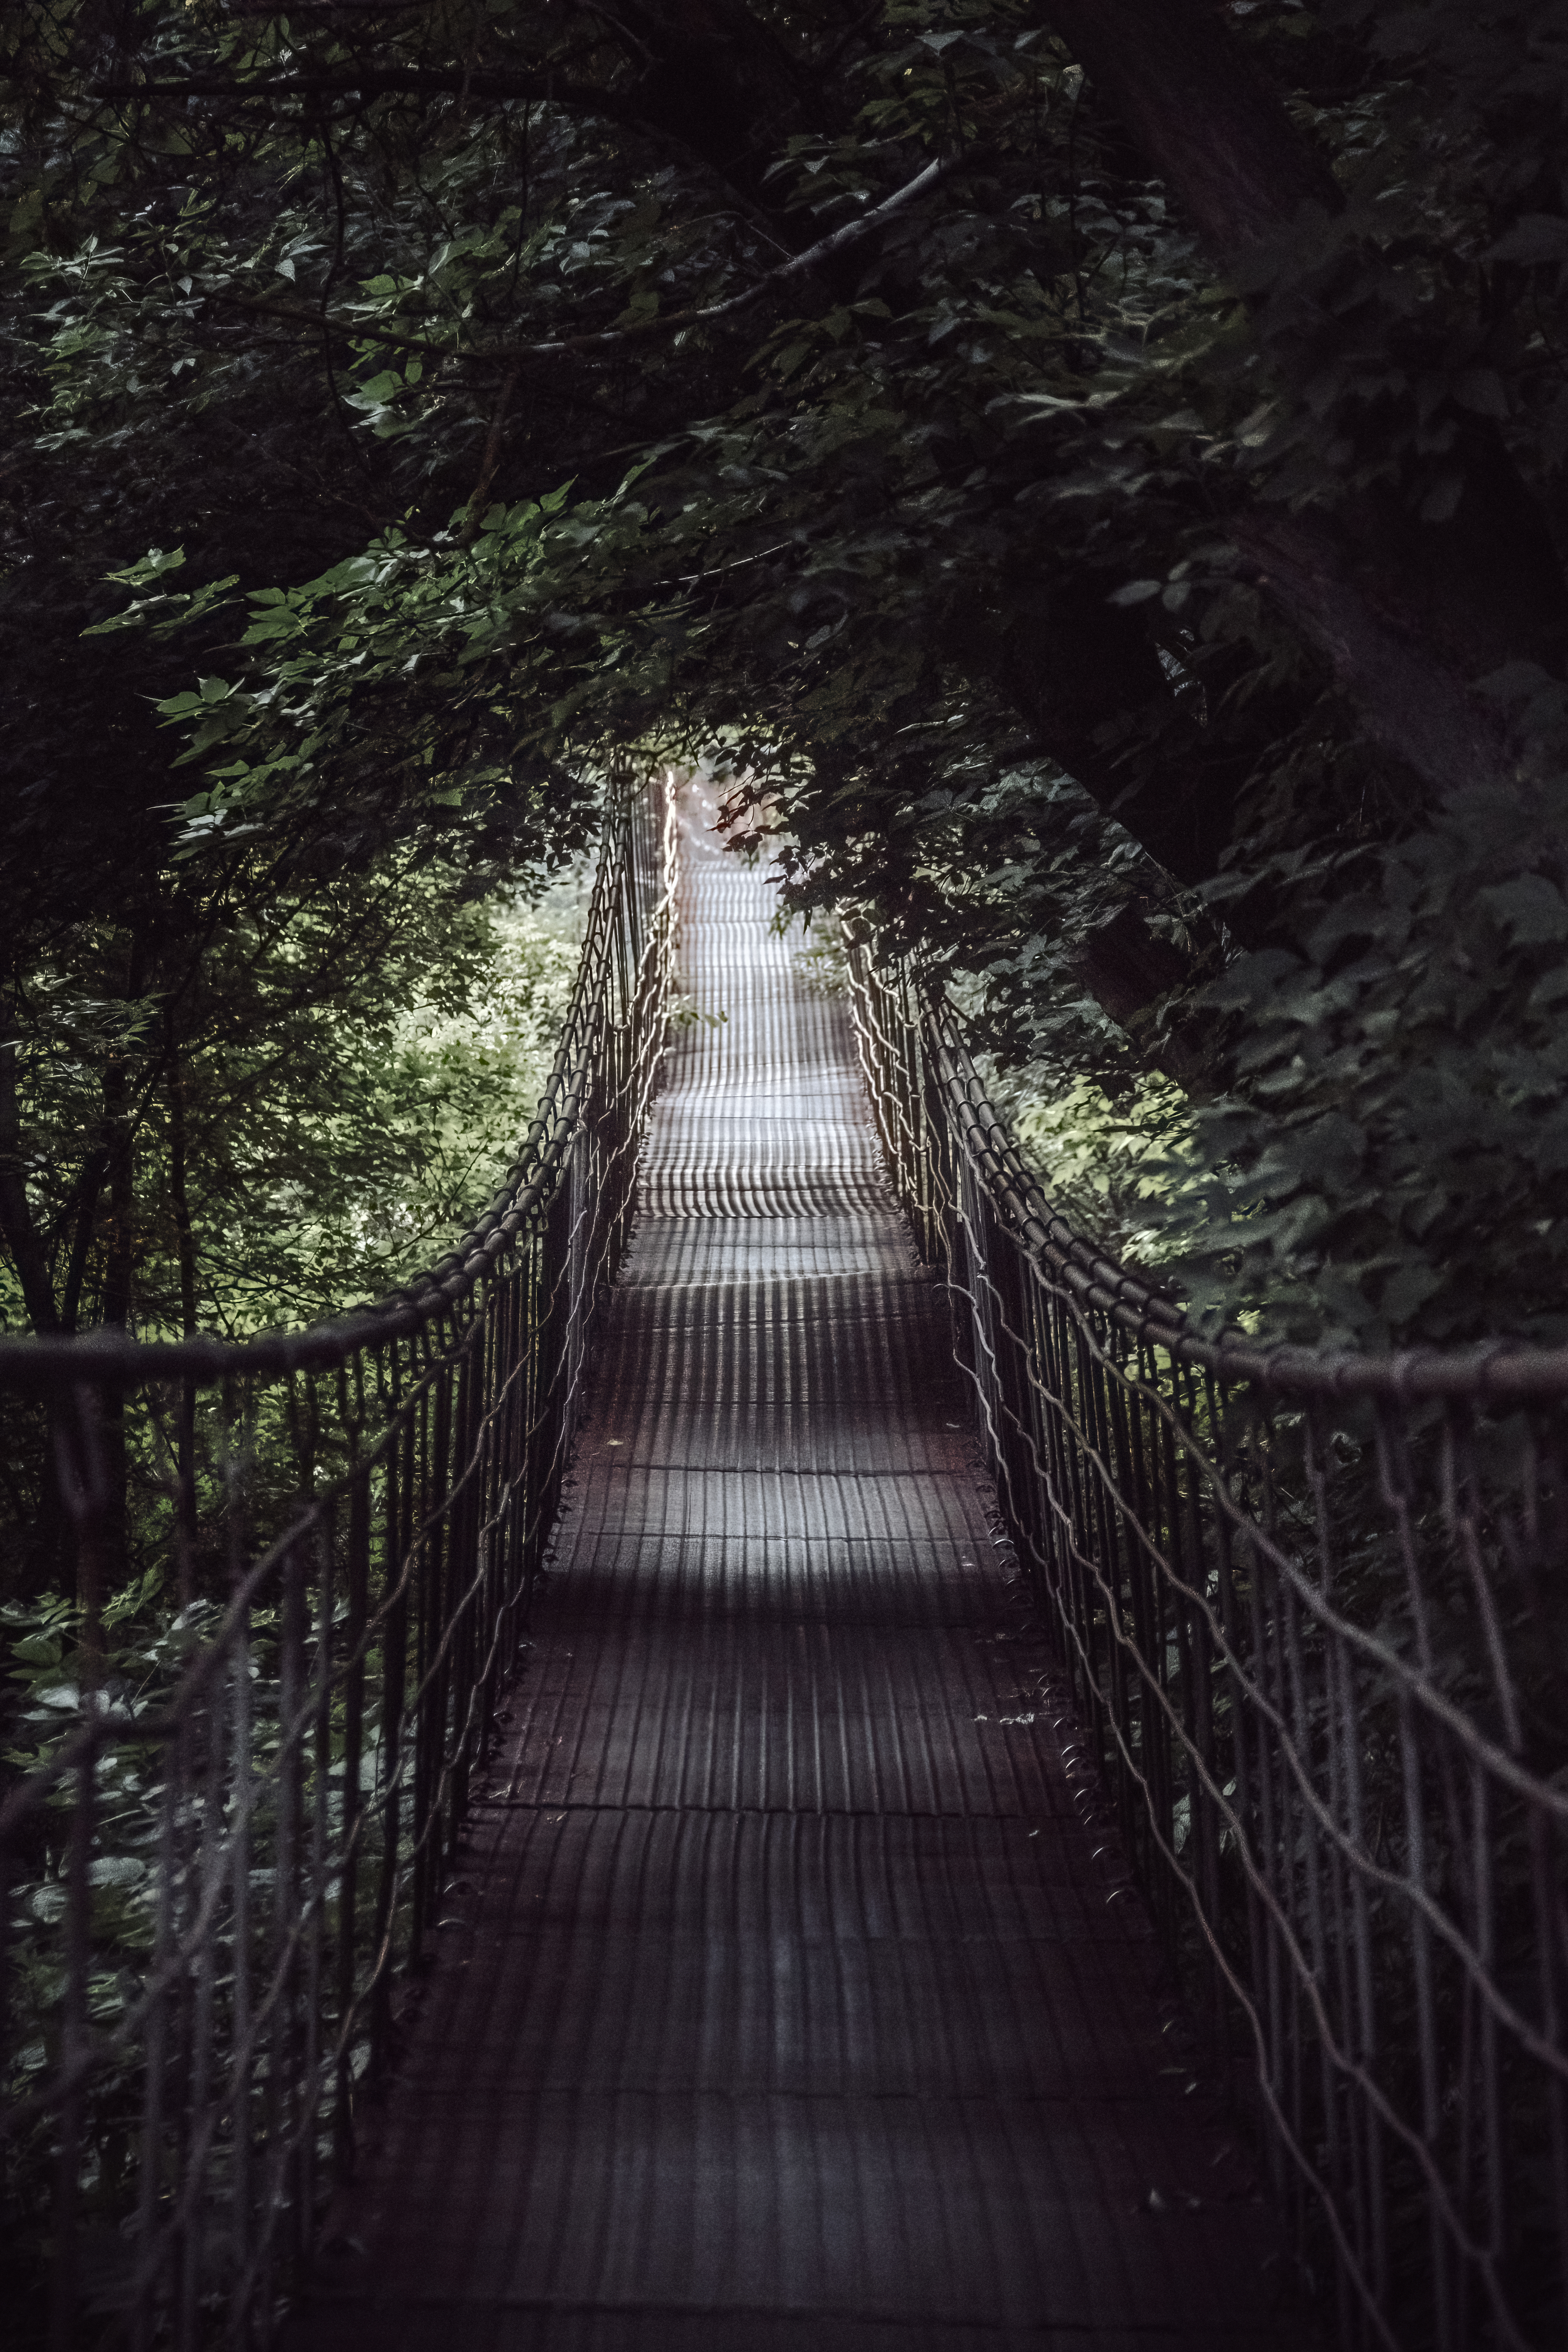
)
(119, 1241)
(112, 1560)
(21, 1233)
(45, 1533)
(185, 1434)
(1410, 615)
(1200, 111)
(90, 1184)
(1073, 665)
(721, 82)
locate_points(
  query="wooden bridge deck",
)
(785, 2002)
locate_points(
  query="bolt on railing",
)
(1314, 1613)
(216, 1893)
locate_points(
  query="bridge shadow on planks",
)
(785, 2003)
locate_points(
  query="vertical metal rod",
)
(73, 2055)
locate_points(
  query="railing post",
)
(396, 1506)
(461, 1562)
(287, 2105)
(352, 1800)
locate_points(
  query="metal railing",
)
(216, 1892)
(1314, 1615)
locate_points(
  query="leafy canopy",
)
(1129, 567)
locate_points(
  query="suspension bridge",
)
(800, 1761)
(783, 2000)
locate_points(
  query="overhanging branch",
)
(827, 248)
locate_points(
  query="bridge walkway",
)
(785, 2002)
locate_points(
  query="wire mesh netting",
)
(218, 1883)
(1312, 1612)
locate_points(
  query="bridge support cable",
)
(1314, 1613)
(218, 1893)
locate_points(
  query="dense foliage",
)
(342, 1085)
(1126, 559)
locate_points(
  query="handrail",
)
(1494, 1371)
(1310, 1613)
(218, 1889)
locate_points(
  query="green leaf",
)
(1531, 910)
(37, 1649)
(148, 568)
(116, 1870)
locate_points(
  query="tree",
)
(1130, 549)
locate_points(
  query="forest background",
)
(1093, 469)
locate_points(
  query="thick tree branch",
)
(1409, 615)
(1421, 713)
(1209, 124)
(474, 511)
(707, 74)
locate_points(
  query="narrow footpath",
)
(786, 2004)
